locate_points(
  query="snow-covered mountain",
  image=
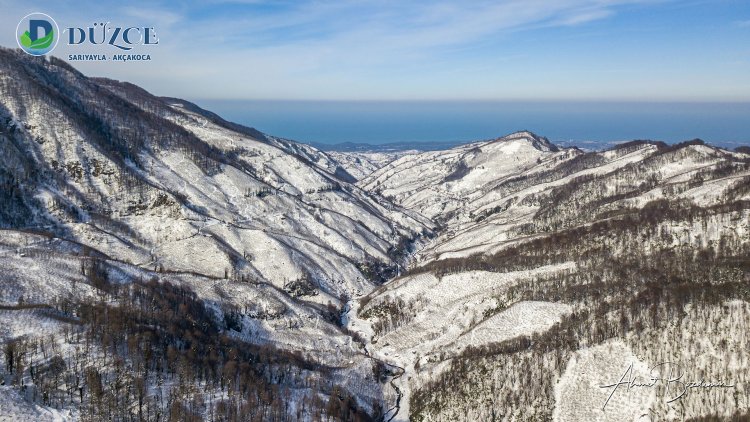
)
(102, 180)
(160, 183)
(554, 269)
(440, 183)
(158, 262)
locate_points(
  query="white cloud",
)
(377, 33)
(155, 16)
(367, 49)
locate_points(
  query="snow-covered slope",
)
(168, 186)
(487, 194)
(105, 185)
(362, 164)
(439, 183)
(538, 252)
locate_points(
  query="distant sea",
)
(590, 125)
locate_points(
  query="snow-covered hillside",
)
(362, 164)
(105, 184)
(544, 253)
(165, 186)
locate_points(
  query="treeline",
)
(616, 299)
(153, 351)
(623, 232)
(593, 195)
(389, 313)
(638, 270)
(14, 211)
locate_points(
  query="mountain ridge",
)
(266, 236)
(536, 250)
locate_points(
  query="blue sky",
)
(639, 50)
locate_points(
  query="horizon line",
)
(479, 100)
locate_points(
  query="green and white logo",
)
(37, 34)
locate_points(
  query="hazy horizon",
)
(575, 71)
(582, 123)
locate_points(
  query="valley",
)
(158, 262)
